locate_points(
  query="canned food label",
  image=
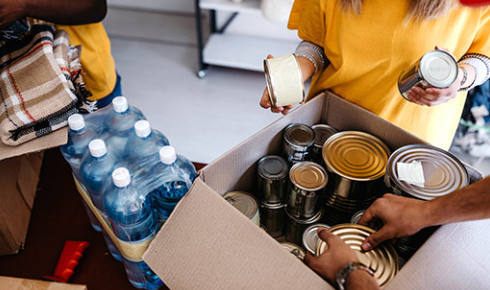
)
(412, 173)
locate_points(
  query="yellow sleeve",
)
(308, 17)
(481, 42)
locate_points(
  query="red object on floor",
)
(72, 252)
(474, 2)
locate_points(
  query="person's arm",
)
(66, 12)
(402, 216)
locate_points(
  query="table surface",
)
(59, 215)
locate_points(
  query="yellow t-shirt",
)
(369, 51)
(96, 58)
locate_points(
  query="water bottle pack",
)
(130, 178)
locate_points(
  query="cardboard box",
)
(9, 283)
(208, 244)
(19, 174)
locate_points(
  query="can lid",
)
(272, 167)
(356, 217)
(266, 205)
(441, 174)
(308, 175)
(142, 128)
(356, 155)
(383, 259)
(310, 237)
(76, 122)
(243, 201)
(322, 133)
(121, 177)
(294, 249)
(439, 68)
(298, 134)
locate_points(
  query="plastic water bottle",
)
(143, 146)
(175, 177)
(132, 219)
(120, 123)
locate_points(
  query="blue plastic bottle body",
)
(141, 153)
(141, 276)
(120, 127)
(76, 149)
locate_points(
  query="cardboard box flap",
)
(51, 140)
(10, 283)
(455, 257)
(30, 167)
(205, 244)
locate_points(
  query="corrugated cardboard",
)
(207, 244)
(10, 283)
(19, 174)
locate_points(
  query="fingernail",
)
(366, 246)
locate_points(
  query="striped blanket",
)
(40, 78)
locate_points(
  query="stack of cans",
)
(322, 133)
(298, 140)
(356, 162)
(423, 172)
(272, 182)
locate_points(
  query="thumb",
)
(373, 240)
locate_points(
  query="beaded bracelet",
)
(313, 53)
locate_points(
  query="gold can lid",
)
(431, 171)
(356, 155)
(243, 201)
(383, 259)
(294, 249)
(308, 176)
(322, 133)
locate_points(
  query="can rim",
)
(442, 54)
(255, 207)
(278, 176)
(308, 230)
(313, 164)
(271, 85)
(290, 142)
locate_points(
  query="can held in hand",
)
(245, 203)
(437, 68)
(296, 227)
(272, 171)
(284, 80)
(306, 189)
(310, 237)
(273, 218)
(297, 142)
(322, 133)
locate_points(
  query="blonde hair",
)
(418, 9)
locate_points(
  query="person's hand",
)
(266, 103)
(401, 217)
(435, 96)
(333, 259)
(10, 11)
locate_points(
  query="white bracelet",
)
(481, 65)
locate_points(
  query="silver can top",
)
(243, 201)
(310, 237)
(439, 68)
(425, 171)
(272, 167)
(299, 135)
(322, 133)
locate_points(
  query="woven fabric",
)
(37, 93)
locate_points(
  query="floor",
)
(156, 55)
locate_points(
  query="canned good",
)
(407, 246)
(322, 133)
(245, 203)
(356, 217)
(298, 140)
(273, 218)
(284, 80)
(437, 68)
(356, 162)
(310, 237)
(296, 227)
(383, 259)
(437, 172)
(307, 182)
(294, 250)
(272, 182)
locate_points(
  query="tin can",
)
(437, 68)
(284, 80)
(294, 250)
(306, 189)
(273, 218)
(298, 140)
(272, 180)
(407, 246)
(383, 259)
(295, 227)
(435, 172)
(245, 203)
(356, 217)
(310, 237)
(356, 163)
(322, 133)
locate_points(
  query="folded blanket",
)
(37, 92)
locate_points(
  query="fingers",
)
(431, 96)
(265, 101)
(327, 236)
(309, 258)
(377, 238)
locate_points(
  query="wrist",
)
(360, 279)
(307, 68)
(353, 272)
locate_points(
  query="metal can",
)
(310, 237)
(307, 182)
(245, 203)
(356, 217)
(424, 172)
(437, 68)
(383, 259)
(295, 227)
(294, 250)
(298, 140)
(356, 163)
(284, 80)
(273, 218)
(322, 133)
(272, 181)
